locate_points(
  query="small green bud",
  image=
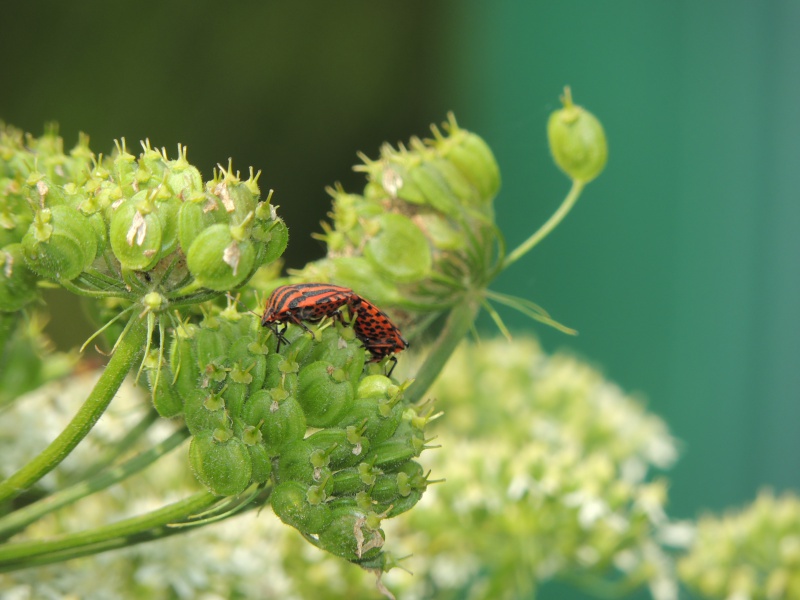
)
(350, 535)
(225, 468)
(135, 236)
(435, 190)
(295, 463)
(165, 397)
(324, 400)
(260, 459)
(577, 140)
(290, 502)
(281, 423)
(57, 246)
(218, 261)
(183, 363)
(203, 411)
(399, 250)
(379, 420)
(343, 450)
(347, 482)
(392, 454)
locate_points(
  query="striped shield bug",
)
(311, 302)
(376, 331)
(303, 302)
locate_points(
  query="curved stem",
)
(127, 354)
(137, 529)
(544, 230)
(21, 518)
(457, 325)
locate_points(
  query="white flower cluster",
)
(753, 554)
(546, 466)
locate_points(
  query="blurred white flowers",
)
(751, 554)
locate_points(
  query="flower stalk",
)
(128, 353)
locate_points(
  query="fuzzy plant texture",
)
(543, 469)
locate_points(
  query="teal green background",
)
(679, 265)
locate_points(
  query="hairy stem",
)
(127, 532)
(128, 353)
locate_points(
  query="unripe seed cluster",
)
(125, 226)
(425, 216)
(331, 433)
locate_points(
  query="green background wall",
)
(679, 266)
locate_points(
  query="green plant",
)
(310, 428)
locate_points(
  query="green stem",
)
(21, 518)
(457, 325)
(544, 230)
(127, 354)
(137, 529)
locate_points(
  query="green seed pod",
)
(349, 535)
(474, 159)
(440, 232)
(401, 504)
(204, 411)
(258, 373)
(234, 396)
(437, 193)
(219, 262)
(17, 283)
(344, 448)
(183, 179)
(135, 236)
(290, 502)
(211, 347)
(56, 245)
(324, 393)
(274, 238)
(295, 463)
(100, 231)
(225, 468)
(577, 141)
(385, 489)
(347, 482)
(183, 363)
(377, 420)
(281, 422)
(192, 220)
(167, 212)
(238, 199)
(262, 465)
(399, 250)
(166, 400)
(375, 386)
(396, 182)
(391, 454)
(455, 180)
(333, 349)
(278, 377)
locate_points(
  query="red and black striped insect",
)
(303, 302)
(314, 301)
(376, 331)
